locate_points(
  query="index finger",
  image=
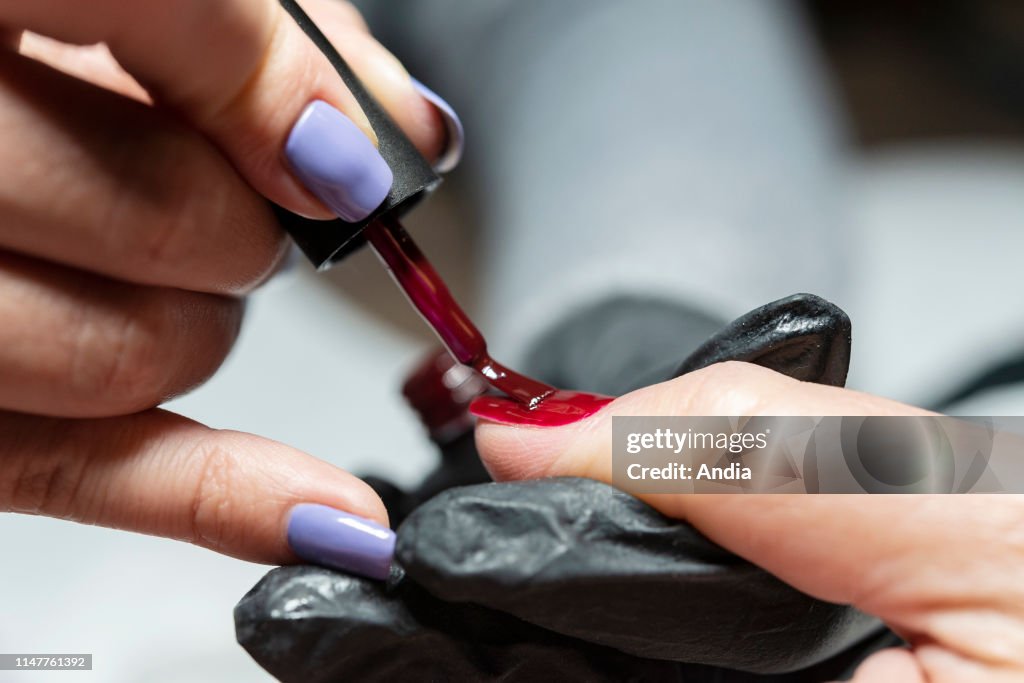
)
(158, 473)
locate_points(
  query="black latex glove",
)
(615, 571)
(574, 556)
(314, 625)
(584, 559)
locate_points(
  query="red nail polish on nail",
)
(557, 409)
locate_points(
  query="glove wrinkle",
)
(314, 625)
(584, 559)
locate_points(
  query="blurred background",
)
(715, 154)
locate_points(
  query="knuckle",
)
(138, 372)
(122, 362)
(44, 482)
(142, 215)
(181, 198)
(130, 361)
(212, 504)
(212, 195)
(161, 216)
(729, 388)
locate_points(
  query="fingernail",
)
(337, 162)
(456, 135)
(323, 535)
(558, 409)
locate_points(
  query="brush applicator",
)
(327, 242)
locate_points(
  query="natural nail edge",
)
(326, 536)
(453, 126)
(335, 161)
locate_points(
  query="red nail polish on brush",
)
(560, 408)
(429, 294)
(327, 243)
(533, 402)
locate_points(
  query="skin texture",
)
(140, 143)
(941, 571)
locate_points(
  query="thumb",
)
(245, 74)
(936, 568)
(159, 473)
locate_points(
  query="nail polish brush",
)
(325, 243)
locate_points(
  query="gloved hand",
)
(584, 559)
(573, 555)
(578, 558)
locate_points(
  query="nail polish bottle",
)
(440, 390)
(412, 179)
(327, 242)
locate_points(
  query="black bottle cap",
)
(327, 242)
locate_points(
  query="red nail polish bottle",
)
(440, 391)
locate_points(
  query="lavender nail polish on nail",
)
(323, 535)
(337, 162)
(456, 135)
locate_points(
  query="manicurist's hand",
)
(133, 178)
(942, 571)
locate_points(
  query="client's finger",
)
(913, 560)
(161, 474)
(79, 345)
(512, 451)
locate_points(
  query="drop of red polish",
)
(430, 296)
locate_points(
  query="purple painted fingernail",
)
(337, 162)
(456, 136)
(333, 538)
